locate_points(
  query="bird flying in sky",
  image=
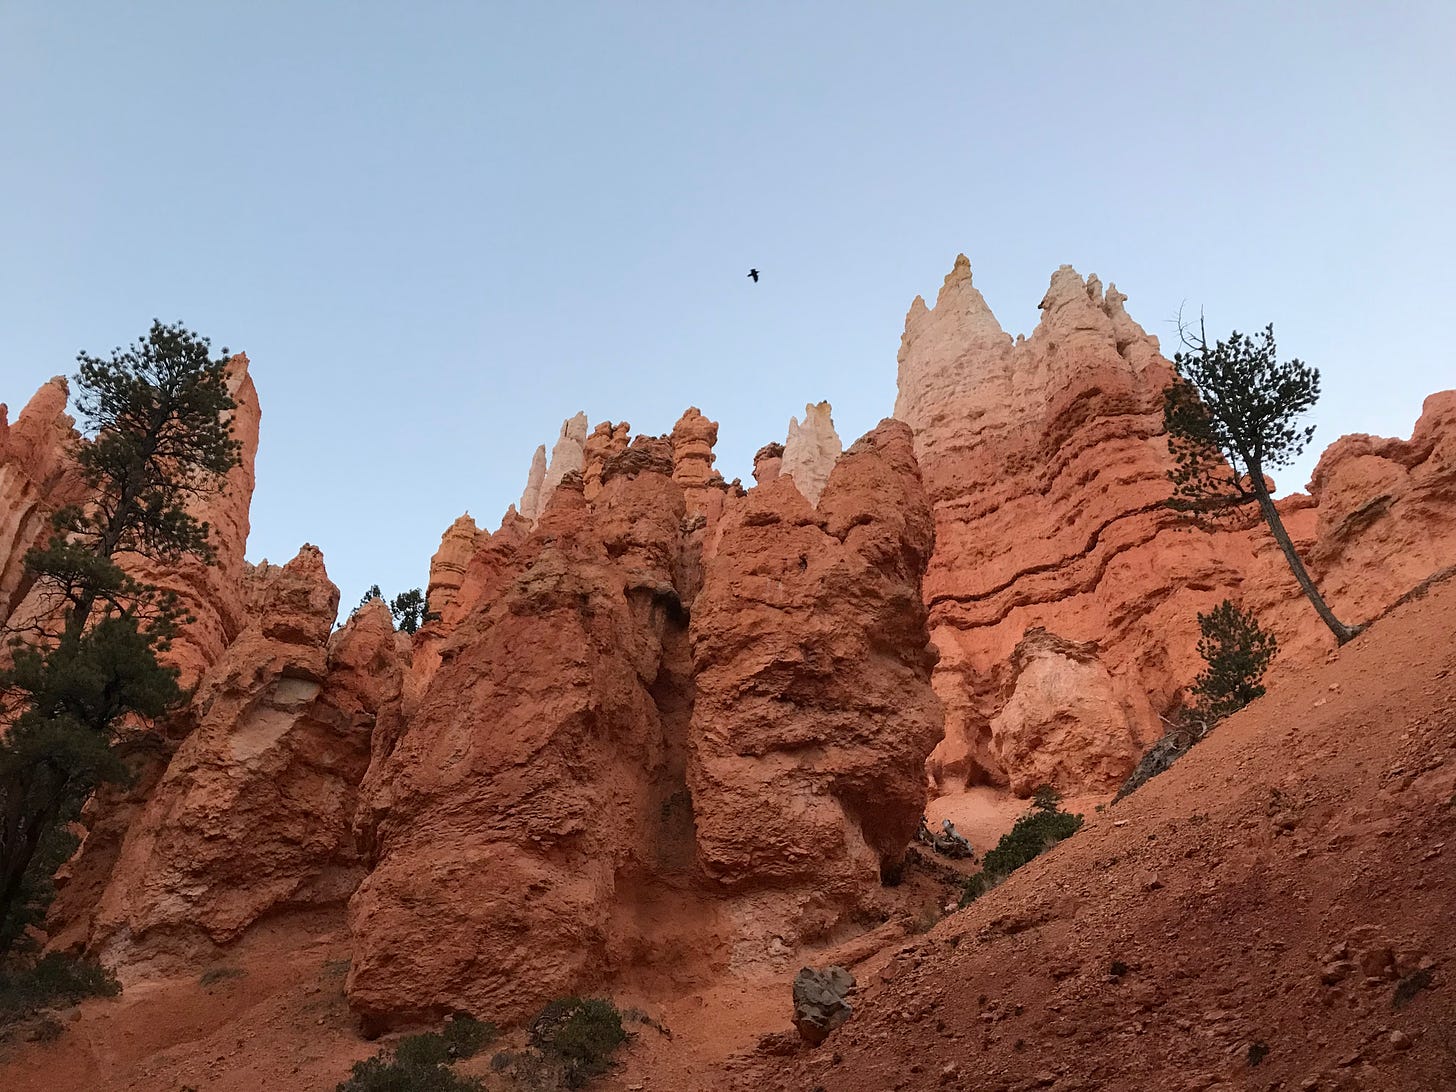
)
(754, 274)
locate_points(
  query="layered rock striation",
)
(1047, 468)
(1063, 593)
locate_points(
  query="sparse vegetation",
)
(420, 1063)
(1230, 417)
(29, 986)
(410, 608)
(462, 1037)
(1042, 827)
(214, 975)
(1237, 652)
(580, 1034)
(382, 1074)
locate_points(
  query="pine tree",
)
(1231, 415)
(1237, 653)
(158, 426)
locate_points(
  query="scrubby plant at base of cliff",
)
(83, 669)
(1030, 836)
(1237, 652)
(420, 1063)
(1231, 416)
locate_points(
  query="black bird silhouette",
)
(754, 274)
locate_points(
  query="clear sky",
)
(438, 229)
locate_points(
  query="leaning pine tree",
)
(157, 418)
(1231, 416)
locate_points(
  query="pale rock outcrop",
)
(1062, 721)
(254, 812)
(567, 457)
(530, 506)
(813, 711)
(810, 450)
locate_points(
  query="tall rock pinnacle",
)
(811, 450)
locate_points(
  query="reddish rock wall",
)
(569, 798)
(1063, 593)
(254, 812)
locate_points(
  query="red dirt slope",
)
(1263, 916)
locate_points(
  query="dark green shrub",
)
(463, 1037)
(1031, 835)
(422, 1050)
(1237, 653)
(468, 1036)
(581, 1034)
(54, 979)
(380, 1074)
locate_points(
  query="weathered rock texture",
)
(810, 451)
(530, 506)
(693, 438)
(768, 463)
(605, 441)
(560, 807)
(1046, 464)
(1063, 593)
(812, 707)
(36, 478)
(255, 810)
(447, 567)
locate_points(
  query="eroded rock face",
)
(1047, 468)
(530, 506)
(36, 478)
(605, 441)
(1047, 464)
(447, 568)
(527, 797)
(813, 714)
(255, 809)
(693, 438)
(1377, 521)
(561, 805)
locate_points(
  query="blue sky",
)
(438, 229)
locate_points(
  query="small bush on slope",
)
(54, 979)
(419, 1063)
(1237, 652)
(379, 1074)
(1033, 834)
(581, 1034)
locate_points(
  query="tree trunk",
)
(1341, 631)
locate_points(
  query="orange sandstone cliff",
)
(659, 726)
